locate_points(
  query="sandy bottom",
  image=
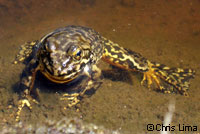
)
(164, 31)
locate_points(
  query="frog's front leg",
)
(94, 81)
(26, 51)
(26, 85)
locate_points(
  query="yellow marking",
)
(166, 68)
(57, 79)
(175, 74)
(167, 92)
(144, 78)
(32, 43)
(157, 64)
(73, 98)
(179, 70)
(22, 103)
(123, 58)
(149, 80)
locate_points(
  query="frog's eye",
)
(75, 52)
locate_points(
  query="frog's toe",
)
(151, 77)
(72, 98)
(22, 103)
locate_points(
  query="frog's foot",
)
(150, 76)
(93, 82)
(73, 98)
(173, 79)
(22, 103)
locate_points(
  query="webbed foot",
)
(150, 76)
(173, 79)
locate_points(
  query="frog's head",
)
(63, 56)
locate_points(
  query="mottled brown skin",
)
(72, 51)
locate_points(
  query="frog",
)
(73, 51)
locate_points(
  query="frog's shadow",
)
(118, 74)
(45, 85)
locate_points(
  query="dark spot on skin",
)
(48, 70)
(136, 55)
(130, 64)
(96, 38)
(108, 47)
(74, 69)
(144, 60)
(119, 55)
(161, 66)
(116, 48)
(131, 51)
(82, 65)
(106, 42)
(136, 60)
(175, 77)
(142, 65)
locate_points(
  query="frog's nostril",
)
(65, 62)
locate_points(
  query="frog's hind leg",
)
(168, 79)
(25, 52)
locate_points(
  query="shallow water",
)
(164, 31)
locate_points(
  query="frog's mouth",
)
(58, 79)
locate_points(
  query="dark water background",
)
(164, 31)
